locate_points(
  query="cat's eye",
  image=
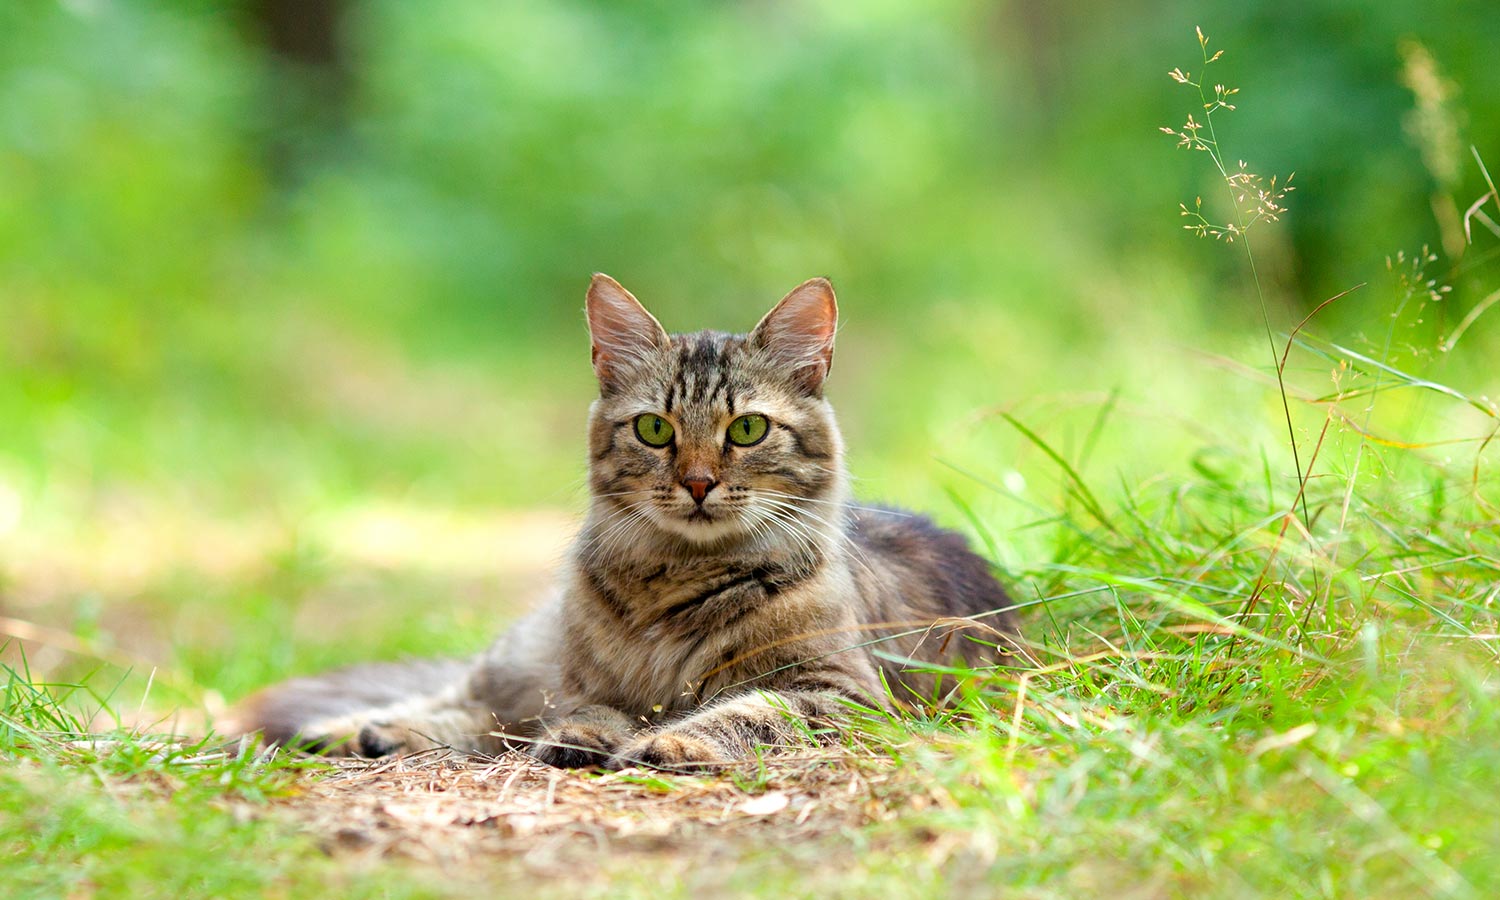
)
(653, 430)
(747, 430)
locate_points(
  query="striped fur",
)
(718, 598)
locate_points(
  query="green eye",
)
(653, 430)
(747, 430)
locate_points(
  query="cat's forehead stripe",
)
(702, 370)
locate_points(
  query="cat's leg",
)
(504, 694)
(448, 719)
(589, 736)
(730, 730)
(464, 727)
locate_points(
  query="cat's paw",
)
(669, 751)
(377, 739)
(577, 747)
(329, 737)
(362, 737)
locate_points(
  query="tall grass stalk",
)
(1242, 185)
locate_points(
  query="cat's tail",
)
(282, 712)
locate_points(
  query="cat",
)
(723, 594)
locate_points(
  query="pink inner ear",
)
(621, 329)
(799, 331)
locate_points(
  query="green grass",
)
(1336, 742)
(93, 809)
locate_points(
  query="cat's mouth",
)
(699, 525)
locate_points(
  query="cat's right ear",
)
(798, 333)
(623, 333)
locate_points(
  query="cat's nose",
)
(699, 486)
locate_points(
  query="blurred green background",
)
(292, 361)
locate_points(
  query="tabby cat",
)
(723, 593)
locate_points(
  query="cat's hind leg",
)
(446, 720)
(381, 709)
(324, 713)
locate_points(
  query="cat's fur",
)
(719, 597)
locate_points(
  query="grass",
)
(93, 809)
(1265, 660)
(1334, 745)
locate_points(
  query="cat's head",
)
(714, 437)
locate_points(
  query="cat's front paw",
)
(669, 751)
(577, 747)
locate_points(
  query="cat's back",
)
(909, 568)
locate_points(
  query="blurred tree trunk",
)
(1043, 65)
(307, 99)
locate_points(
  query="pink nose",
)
(699, 487)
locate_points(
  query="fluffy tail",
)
(281, 711)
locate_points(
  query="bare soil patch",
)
(461, 813)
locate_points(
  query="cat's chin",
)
(703, 531)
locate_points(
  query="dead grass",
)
(467, 816)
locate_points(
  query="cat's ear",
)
(623, 333)
(798, 333)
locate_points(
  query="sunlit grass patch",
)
(1222, 708)
(92, 810)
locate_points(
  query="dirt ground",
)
(465, 815)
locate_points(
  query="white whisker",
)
(792, 518)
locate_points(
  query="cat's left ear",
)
(798, 333)
(622, 332)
